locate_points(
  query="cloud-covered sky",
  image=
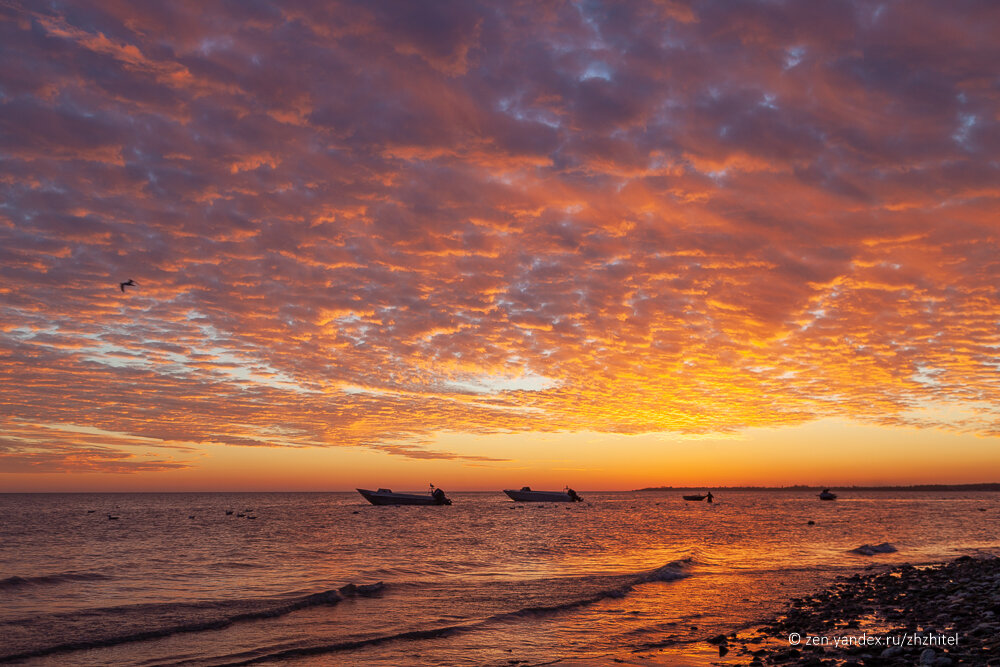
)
(367, 224)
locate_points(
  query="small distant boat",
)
(388, 497)
(526, 495)
(701, 496)
(827, 495)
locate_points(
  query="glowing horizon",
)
(491, 246)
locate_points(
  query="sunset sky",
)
(483, 245)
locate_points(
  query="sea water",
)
(325, 578)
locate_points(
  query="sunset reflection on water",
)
(480, 582)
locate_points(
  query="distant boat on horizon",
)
(526, 495)
(700, 496)
(827, 495)
(388, 497)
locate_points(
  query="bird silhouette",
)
(128, 283)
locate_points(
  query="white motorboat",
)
(389, 497)
(527, 495)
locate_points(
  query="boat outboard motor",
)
(573, 497)
(439, 497)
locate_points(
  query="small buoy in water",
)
(191, 517)
(811, 522)
(355, 512)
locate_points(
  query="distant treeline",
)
(992, 486)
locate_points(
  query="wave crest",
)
(213, 616)
(59, 578)
(669, 572)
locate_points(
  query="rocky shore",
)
(941, 615)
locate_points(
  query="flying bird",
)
(127, 283)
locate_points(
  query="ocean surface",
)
(325, 578)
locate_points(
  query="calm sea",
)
(326, 578)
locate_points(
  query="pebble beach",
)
(945, 614)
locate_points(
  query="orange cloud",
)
(362, 232)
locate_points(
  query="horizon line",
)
(976, 486)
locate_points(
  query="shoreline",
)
(985, 487)
(932, 615)
(940, 614)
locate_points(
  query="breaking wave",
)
(155, 621)
(203, 616)
(625, 583)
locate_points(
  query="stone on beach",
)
(936, 615)
(871, 550)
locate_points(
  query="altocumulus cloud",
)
(371, 222)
